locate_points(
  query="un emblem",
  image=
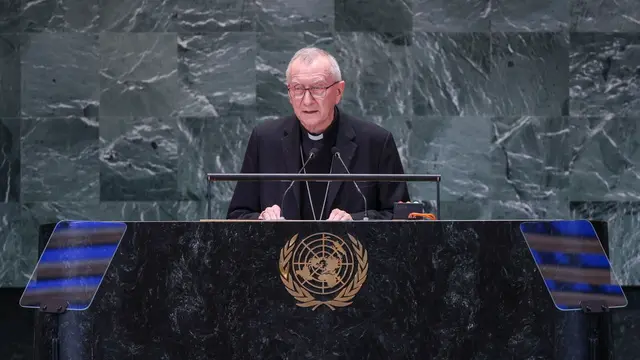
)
(323, 269)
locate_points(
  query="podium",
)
(246, 290)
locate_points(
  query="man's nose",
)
(307, 98)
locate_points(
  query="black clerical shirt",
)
(321, 164)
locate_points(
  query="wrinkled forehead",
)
(316, 72)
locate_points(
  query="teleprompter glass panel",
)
(572, 263)
(73, 264)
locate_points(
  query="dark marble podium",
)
(212, 290)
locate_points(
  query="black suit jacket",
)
(365, 147)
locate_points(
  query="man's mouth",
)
(309, 111)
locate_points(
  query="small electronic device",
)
(411, 210)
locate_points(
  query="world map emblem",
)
(323, 269)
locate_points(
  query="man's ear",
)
(340, 89)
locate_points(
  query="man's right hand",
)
(270, 213)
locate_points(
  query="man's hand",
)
(339, 215)
(270, 213)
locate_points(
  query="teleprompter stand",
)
(55, 309)
(68, 275)
(578, 276)
(597, 312)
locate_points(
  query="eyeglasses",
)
(298, 91)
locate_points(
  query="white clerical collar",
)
(315, 137)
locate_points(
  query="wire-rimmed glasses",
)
(298, 91)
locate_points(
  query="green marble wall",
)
(115, 110)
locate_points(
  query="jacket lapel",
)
(291, 156)
(347, 148)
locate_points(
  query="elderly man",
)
(315, 88)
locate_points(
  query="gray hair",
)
(309, 55)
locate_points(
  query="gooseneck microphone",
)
(336, 153)
(312, 154)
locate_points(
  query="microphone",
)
(312, 154)
(336, 153)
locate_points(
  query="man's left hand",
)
(339, 215)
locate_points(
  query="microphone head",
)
(334, 150)
(313, 152)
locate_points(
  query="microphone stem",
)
(364, 198)
(304, 164)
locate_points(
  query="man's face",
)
(315, 112)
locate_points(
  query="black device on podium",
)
(70, 270)
(413, 210)
(578, 275)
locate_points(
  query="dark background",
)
(115, 110)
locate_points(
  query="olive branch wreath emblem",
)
(304, 297)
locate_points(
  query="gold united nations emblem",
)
(323, 269)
